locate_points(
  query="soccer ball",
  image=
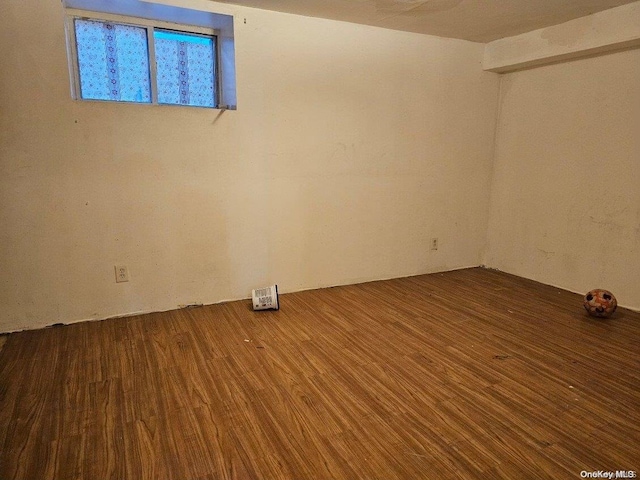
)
(600, 303)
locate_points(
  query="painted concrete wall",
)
(565, 206)
(351, 147)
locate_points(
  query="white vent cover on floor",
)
(265, 298)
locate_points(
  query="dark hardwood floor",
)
(470, 374)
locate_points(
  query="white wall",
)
(607, 31)
(351, 147)
(565, 206)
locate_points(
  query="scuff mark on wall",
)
(568, 37)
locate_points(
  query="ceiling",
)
(474, 20)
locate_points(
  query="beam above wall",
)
(614, 29)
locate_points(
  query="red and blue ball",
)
(600, 303)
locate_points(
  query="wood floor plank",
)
(469, 374)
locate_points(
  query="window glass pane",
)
(113, 61)
(185, 68)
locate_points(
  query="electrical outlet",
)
(434, 243)
(122, 273)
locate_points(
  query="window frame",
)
(150, 26)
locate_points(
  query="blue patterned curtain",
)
(113, 61)
(185, 69)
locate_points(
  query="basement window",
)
(142, 64)
(186, 67)
(150, 58)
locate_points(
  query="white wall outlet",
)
(122, 273)
(434, 243)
